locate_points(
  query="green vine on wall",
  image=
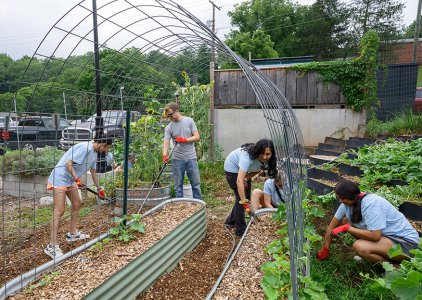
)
(356, 77)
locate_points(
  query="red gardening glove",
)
(181, 139)
(323, 253)
(101, 193)
(79, 184)
(165, 158)
(342, 228)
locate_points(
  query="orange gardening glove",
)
(165, 158)
(181, 139)
(323, 253)
(101, 193)
(245, 205)
(342, 228)
(79, 184)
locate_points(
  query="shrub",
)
(26, 162)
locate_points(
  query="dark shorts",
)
(405, 244)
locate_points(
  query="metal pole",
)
(417, 29)
(98, 119)
(121, 96)
(125, 166)
(65, 110)
(212, 66)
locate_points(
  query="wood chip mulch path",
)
(84, 272)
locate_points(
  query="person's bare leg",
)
(373, 251)
(59, 197)
(257, 199)
(73, 195)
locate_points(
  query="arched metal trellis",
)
(146, 45)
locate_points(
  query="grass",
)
(42, 215)
(403, 124)
(213, 183)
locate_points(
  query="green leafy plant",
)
(27, 163)
(404, 282)
(99, 246)
(276, 282)
(195, 103)
(45, 280)
(356, 77)
(125, 225)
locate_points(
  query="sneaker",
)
(76, 236)
(53, 251)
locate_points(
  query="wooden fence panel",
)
(232, 88)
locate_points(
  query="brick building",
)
(402, 53)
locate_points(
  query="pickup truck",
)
(33, 132)
(113, 127)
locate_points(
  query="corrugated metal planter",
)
(137, 195)
(161, 258)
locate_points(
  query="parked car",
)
(113, 127)
(33, 132)
(417, 106)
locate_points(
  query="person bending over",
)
(64, 181)
(373, 221)
(240, 166)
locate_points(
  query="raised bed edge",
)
(161, 258)
(19, 283)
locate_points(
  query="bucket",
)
(187, 191)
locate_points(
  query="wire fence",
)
(150, 54)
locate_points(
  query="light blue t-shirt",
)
(84, 158)
(379, 214)
(239, 159)
(184, 128)
(270, 189)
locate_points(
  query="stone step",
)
(329, 147)
(334, 141)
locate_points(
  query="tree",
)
(383, 16)
(258, 44)
(409, 31)
(325, 40)
(277, 18)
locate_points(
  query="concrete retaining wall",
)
(31, 186)
(234, 127)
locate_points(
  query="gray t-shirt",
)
(185, 127)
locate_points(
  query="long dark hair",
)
(254, 150)
(350, 190)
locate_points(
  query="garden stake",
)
(156, 179)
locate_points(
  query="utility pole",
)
(212, 65)
(417, 29)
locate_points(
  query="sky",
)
(24, 23)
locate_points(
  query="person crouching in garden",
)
(272, 195)
(373, 221)
(240, 166)
(184, 133)
(64, 181)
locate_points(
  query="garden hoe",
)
(99, 201)
(156, 179)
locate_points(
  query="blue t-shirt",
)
(239, 159)
(84, 158)
(270, 189)
(379, 214)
